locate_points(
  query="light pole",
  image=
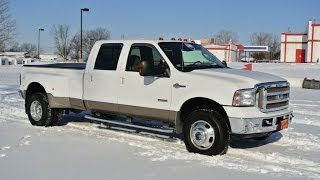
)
(82, 9)
(39, 42)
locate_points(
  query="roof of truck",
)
(140, 41)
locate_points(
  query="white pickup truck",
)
(179, 83)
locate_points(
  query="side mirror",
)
(145, 68)
(224, 63)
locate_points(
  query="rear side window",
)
(108, 56)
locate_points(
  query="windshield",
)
(186, 56)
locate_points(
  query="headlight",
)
(244, 97)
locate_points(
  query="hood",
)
(238, 76)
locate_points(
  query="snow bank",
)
(294, 73)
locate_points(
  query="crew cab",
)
(176, 82)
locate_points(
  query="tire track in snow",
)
(3, 155)
(300, 141)
(24, 141)
(307, 121)
(13, 108)
(304, 102)
(236, 159)
(4, 148)
(306, 113)
(306, 105)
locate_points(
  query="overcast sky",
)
(149, 19)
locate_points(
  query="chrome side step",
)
(126, 124)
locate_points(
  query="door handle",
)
(177, 85)
(162, 100)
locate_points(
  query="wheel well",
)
(202, 103)
(34, 88)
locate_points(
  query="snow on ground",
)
(81, 149)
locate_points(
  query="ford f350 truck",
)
(180, 83)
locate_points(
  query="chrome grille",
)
(272, 96)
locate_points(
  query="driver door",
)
(148, 96)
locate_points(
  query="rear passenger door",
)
(101, 82)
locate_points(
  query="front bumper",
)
(256, 122)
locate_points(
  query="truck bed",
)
(79, 66)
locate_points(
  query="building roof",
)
(12, 53)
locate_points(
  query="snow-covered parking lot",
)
(80, 149)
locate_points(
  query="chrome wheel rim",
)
(36, 110)
(202, 135)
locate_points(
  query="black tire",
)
(47, 113)
(218, 124)
(56, 118)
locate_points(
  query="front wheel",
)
(206, 132)
(38, 110)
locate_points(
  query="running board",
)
(126, 124)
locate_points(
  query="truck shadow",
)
(235, 142)
(251, 143)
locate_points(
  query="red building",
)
(301, 47)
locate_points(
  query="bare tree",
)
(225, 37)
(14, 47)
(61, 36)
(31, 49)
(90, 37)
(75, 46)
(265, 39)
(7, 24)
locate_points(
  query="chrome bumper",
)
(258, 125)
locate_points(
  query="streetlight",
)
(39, 41)
(82, 9)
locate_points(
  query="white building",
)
(12, 58)
(49, 56)
(301, 47)
(225, 52)
(13, 54)
(5, 60)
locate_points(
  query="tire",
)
(56, 118)
(206, 132)
(38, 110)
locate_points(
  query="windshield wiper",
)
(209, 66)
(204, 66)
(191, 68)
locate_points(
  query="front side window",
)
(144, 52)
(187, 56)
(108, 56)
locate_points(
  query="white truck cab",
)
(177, 82)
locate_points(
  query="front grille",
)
(273, 96)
